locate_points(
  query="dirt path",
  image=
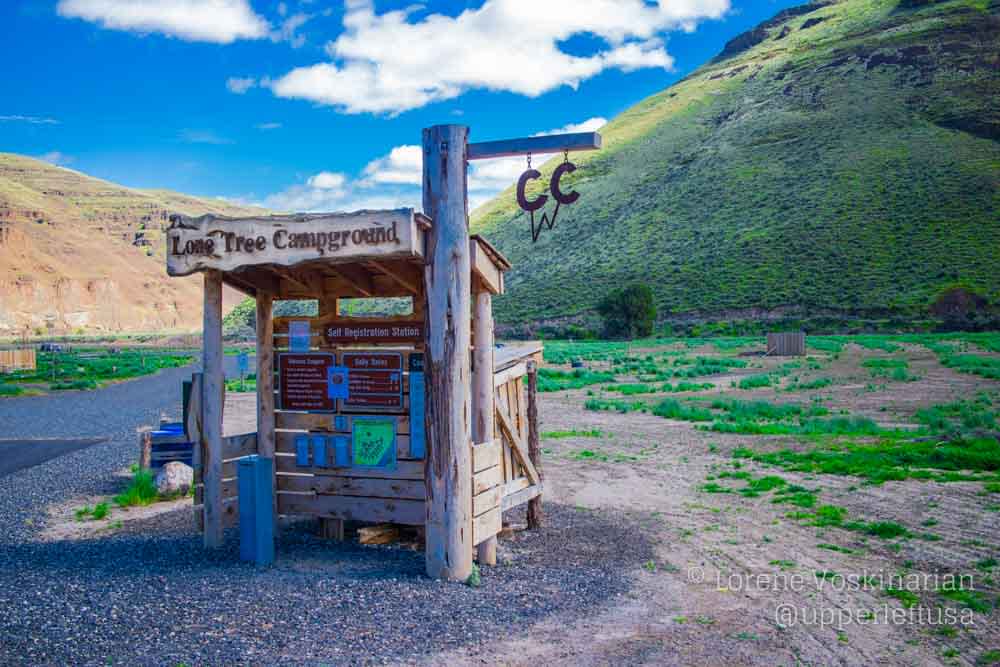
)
(735, 581)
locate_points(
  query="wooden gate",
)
(514, 428)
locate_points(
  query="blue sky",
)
(317, 104)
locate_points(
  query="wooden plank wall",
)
(789, 344)
(395, 496)
(17, 360)
(233, 448)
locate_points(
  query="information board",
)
(302, 381)
(243, 361)
(375, 380)
(373, 442)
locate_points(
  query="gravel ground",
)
(115, 412)
(149, 594)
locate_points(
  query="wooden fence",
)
(792, 344)
(18, 360)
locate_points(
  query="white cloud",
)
(268, 126)
(394, 180)
(327, 180)
(240, 85)
(33, 120)
(384, 63)
(202, 137)
(402, 166)
(589, 125)
(218, 21)
(288, 31)
(57, 158)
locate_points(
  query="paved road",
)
(20, 454)
(113, 415)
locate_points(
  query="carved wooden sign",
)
(372, 333)
(209, 242)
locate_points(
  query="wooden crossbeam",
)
(261, 279)
(517, 445)
(359, 278)
(411, 283)
(553, 143)
(307, 285)
(521, 496)
(239, 283)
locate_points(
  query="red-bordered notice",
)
(375, 380)
(302, 381)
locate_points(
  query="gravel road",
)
(148, 594)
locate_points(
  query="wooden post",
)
(535, 514)
(265, 389)
(192, 422)
(448, 465)
(483, 418)
(145, 449)
(211, 401)
(331, 529)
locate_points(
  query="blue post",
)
(418, 447)
(256, 510)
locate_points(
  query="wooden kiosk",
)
(411, 419)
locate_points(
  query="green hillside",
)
(843, 157)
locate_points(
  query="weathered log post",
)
(448, 465)
(145, 448)
(192, 427)
(329, 529)
(535, 514)
(265, 389)
(211, 401)
(484, 412)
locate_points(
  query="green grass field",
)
(83, 368)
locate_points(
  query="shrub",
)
(670, 408)
(555, 380)
(755, 382)
(140, 491)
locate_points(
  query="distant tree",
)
(962, 308)
(628, 312)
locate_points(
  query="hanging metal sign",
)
(539, 144)
(561, 198)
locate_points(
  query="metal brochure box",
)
(302, 451)
(319, 450)
(342, 450)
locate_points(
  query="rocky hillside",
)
(841, 158)
(78, 254)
